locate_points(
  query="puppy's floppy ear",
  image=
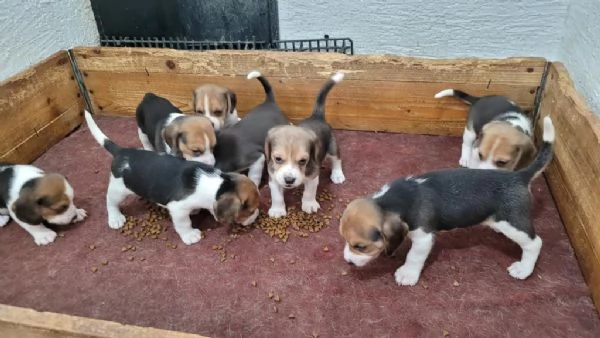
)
(269, 143)
(526, 151)
(314, 149)
(227, 208)
(172, 135)
(231, 99)
(27, 208)
(394, 231)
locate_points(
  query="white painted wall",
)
(31, 30)
(580, 49)
(440, 29)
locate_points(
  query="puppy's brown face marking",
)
(502, 146)
(292, 154)
(361, 227)
(194, 138)
(239, 206)
(214, 102)
(45, 200)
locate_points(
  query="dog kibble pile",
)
(298, 220)
(139, 228)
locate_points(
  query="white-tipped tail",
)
(444, 93)
(254, 74)
(94, 129)
(549, 134)
(337, 77)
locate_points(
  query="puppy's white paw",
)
(116, 220)
(337, 176)
(406, 276)
(191, 236)
(310, 206)
(277, 212)
(81, 215)
(519, 270)
(464, 161)
(4, 219)
(43, 236)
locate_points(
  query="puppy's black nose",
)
(289, 180)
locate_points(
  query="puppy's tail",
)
(255, 74)
(319, 109)
(99, 136)
(469, 99)
(544, 156)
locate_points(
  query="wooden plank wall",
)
(383, 93)
(17, 322)
(574, 174)
(38, 108)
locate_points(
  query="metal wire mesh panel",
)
(326, 44)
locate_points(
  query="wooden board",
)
(383, 93)
(574, 174)
(38, 107)
(16, 322)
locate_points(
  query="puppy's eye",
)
(359, 247)
(480, 156)
(501, 164)
(302, 161)
(278, 159)
(217, 112)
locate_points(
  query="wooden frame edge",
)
(24, 322)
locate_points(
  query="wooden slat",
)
(35, 100)
(382, 93)
(574, 174)
(17, 322)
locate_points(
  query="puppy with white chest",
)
(420, 206)
(240, 147)
(162, 127)
(217, 103)
(498, 135)
(180, 186)
(295, 154)
(34, 198)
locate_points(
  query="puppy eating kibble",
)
(443, 200)
(164, 128)
(295, 154)
(33, 198)
(216, 103)
(498, 135)
(178, 185)
(240, 147)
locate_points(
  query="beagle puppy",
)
(240, 147)
(162, 127)
(178, 185)
(216, 103)
(34, 198)
(498, 135)
(420, 206)
(295, 153)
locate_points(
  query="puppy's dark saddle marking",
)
(152, 115)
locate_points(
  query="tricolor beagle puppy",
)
(33, 198)
(180, 186)
(295, 153)
(422, 205)
(240, 147)
(162, 127)
(217, 103)
(498, 135)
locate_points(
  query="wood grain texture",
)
(383, 93)
(574, 174)
(17, 322)
(38, 107)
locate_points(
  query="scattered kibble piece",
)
(292, 316)
(254, 283)
(455, 283)
(344, 273)
(131, 258)
(272, 260)
(92, 247)
(105, 262)
(277, 298)
(271, 294)
(424, 285)
(142, 259)
(94, 269)
(326, 249)
(445, 333)
(61, 234)
(315, 335)
(275, 309)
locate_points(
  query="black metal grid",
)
(326, 44)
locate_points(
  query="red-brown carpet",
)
(465, 289)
